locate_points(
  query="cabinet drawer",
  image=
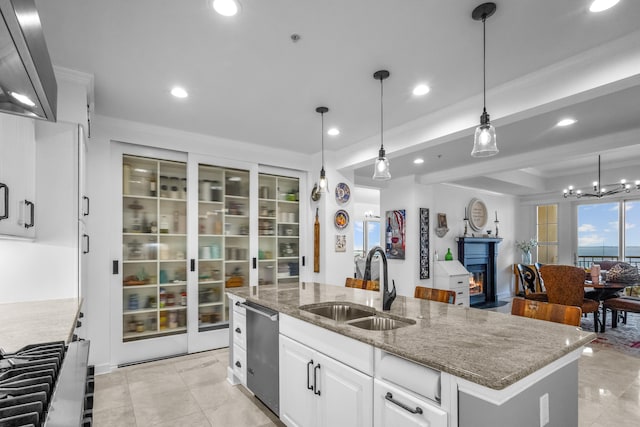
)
(462, 296)
(237, 308)
(456, 282)
(240, 330)
(394, 406)
(414, 377)
(240, 364)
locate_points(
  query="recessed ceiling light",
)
(333, 131)
(226, 7)
(179, 92)
(418, 161)
(421, 89)
(601, 5)
(566, 122)
(23, 99)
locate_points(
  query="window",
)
(547, 232)
(609, 231)
(364, 241)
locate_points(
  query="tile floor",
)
(192, 391)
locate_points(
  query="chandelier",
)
(597, 190)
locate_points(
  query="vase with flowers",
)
(525, 246)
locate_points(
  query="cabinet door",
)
(396, 407)
(298, 403)
(345, 395)
(17, 175)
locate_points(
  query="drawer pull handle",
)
(238, 364)
(309, 386)
(460, 282)
(315, 380)
(238, 330)
(390, 398)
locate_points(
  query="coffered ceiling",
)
(249, 81)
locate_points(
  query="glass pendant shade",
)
(381, 168)
(323, 180)
(484, 140)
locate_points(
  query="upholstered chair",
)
(528, 279)
(565, 285)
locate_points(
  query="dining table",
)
(602, 291)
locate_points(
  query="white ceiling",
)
(248, 81)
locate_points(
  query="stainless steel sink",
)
(379, 323)
(339, 311)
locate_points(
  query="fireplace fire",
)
(476, 285)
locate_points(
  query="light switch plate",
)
(544, 409)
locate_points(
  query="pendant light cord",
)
(484, 63)
(322, 136)
(381, 116)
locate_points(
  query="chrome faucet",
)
(387, 297)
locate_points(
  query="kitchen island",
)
(490, 368)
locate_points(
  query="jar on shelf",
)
(216, 191)
(205, 190)
(173, 319)
(164, 186)
(183, 298)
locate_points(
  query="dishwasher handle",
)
(272, 317)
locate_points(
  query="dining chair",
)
(530, 285)
(432, 294)
(567, 314)
(369, 285)
(537, 265)
(565, 285)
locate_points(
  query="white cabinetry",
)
(239, 342)
(17, 177)
(317, 390)
(451, 275)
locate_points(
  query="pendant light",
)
(381, 168)
(323, 177)
(484, 140)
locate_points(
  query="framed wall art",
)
(341, 243)
(395, 234)
(424, 243)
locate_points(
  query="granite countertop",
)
(33, 322)
(485, 347)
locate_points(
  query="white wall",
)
(406, 194)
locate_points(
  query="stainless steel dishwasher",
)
(262, 354)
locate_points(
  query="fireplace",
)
(479, 256)
(477, 281)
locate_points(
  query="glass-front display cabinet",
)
(223, 240)
(278, 229)
(154, 247)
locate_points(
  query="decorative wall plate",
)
(477, 214)
(343, 193)
(341, 219)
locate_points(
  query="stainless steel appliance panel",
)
(262, 354)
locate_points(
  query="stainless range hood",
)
(27, 82)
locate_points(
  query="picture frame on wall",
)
(395, 234)
(341, 243)
(424, 243)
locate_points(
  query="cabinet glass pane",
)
(223, 240)
(154, 247)
(278, 229)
